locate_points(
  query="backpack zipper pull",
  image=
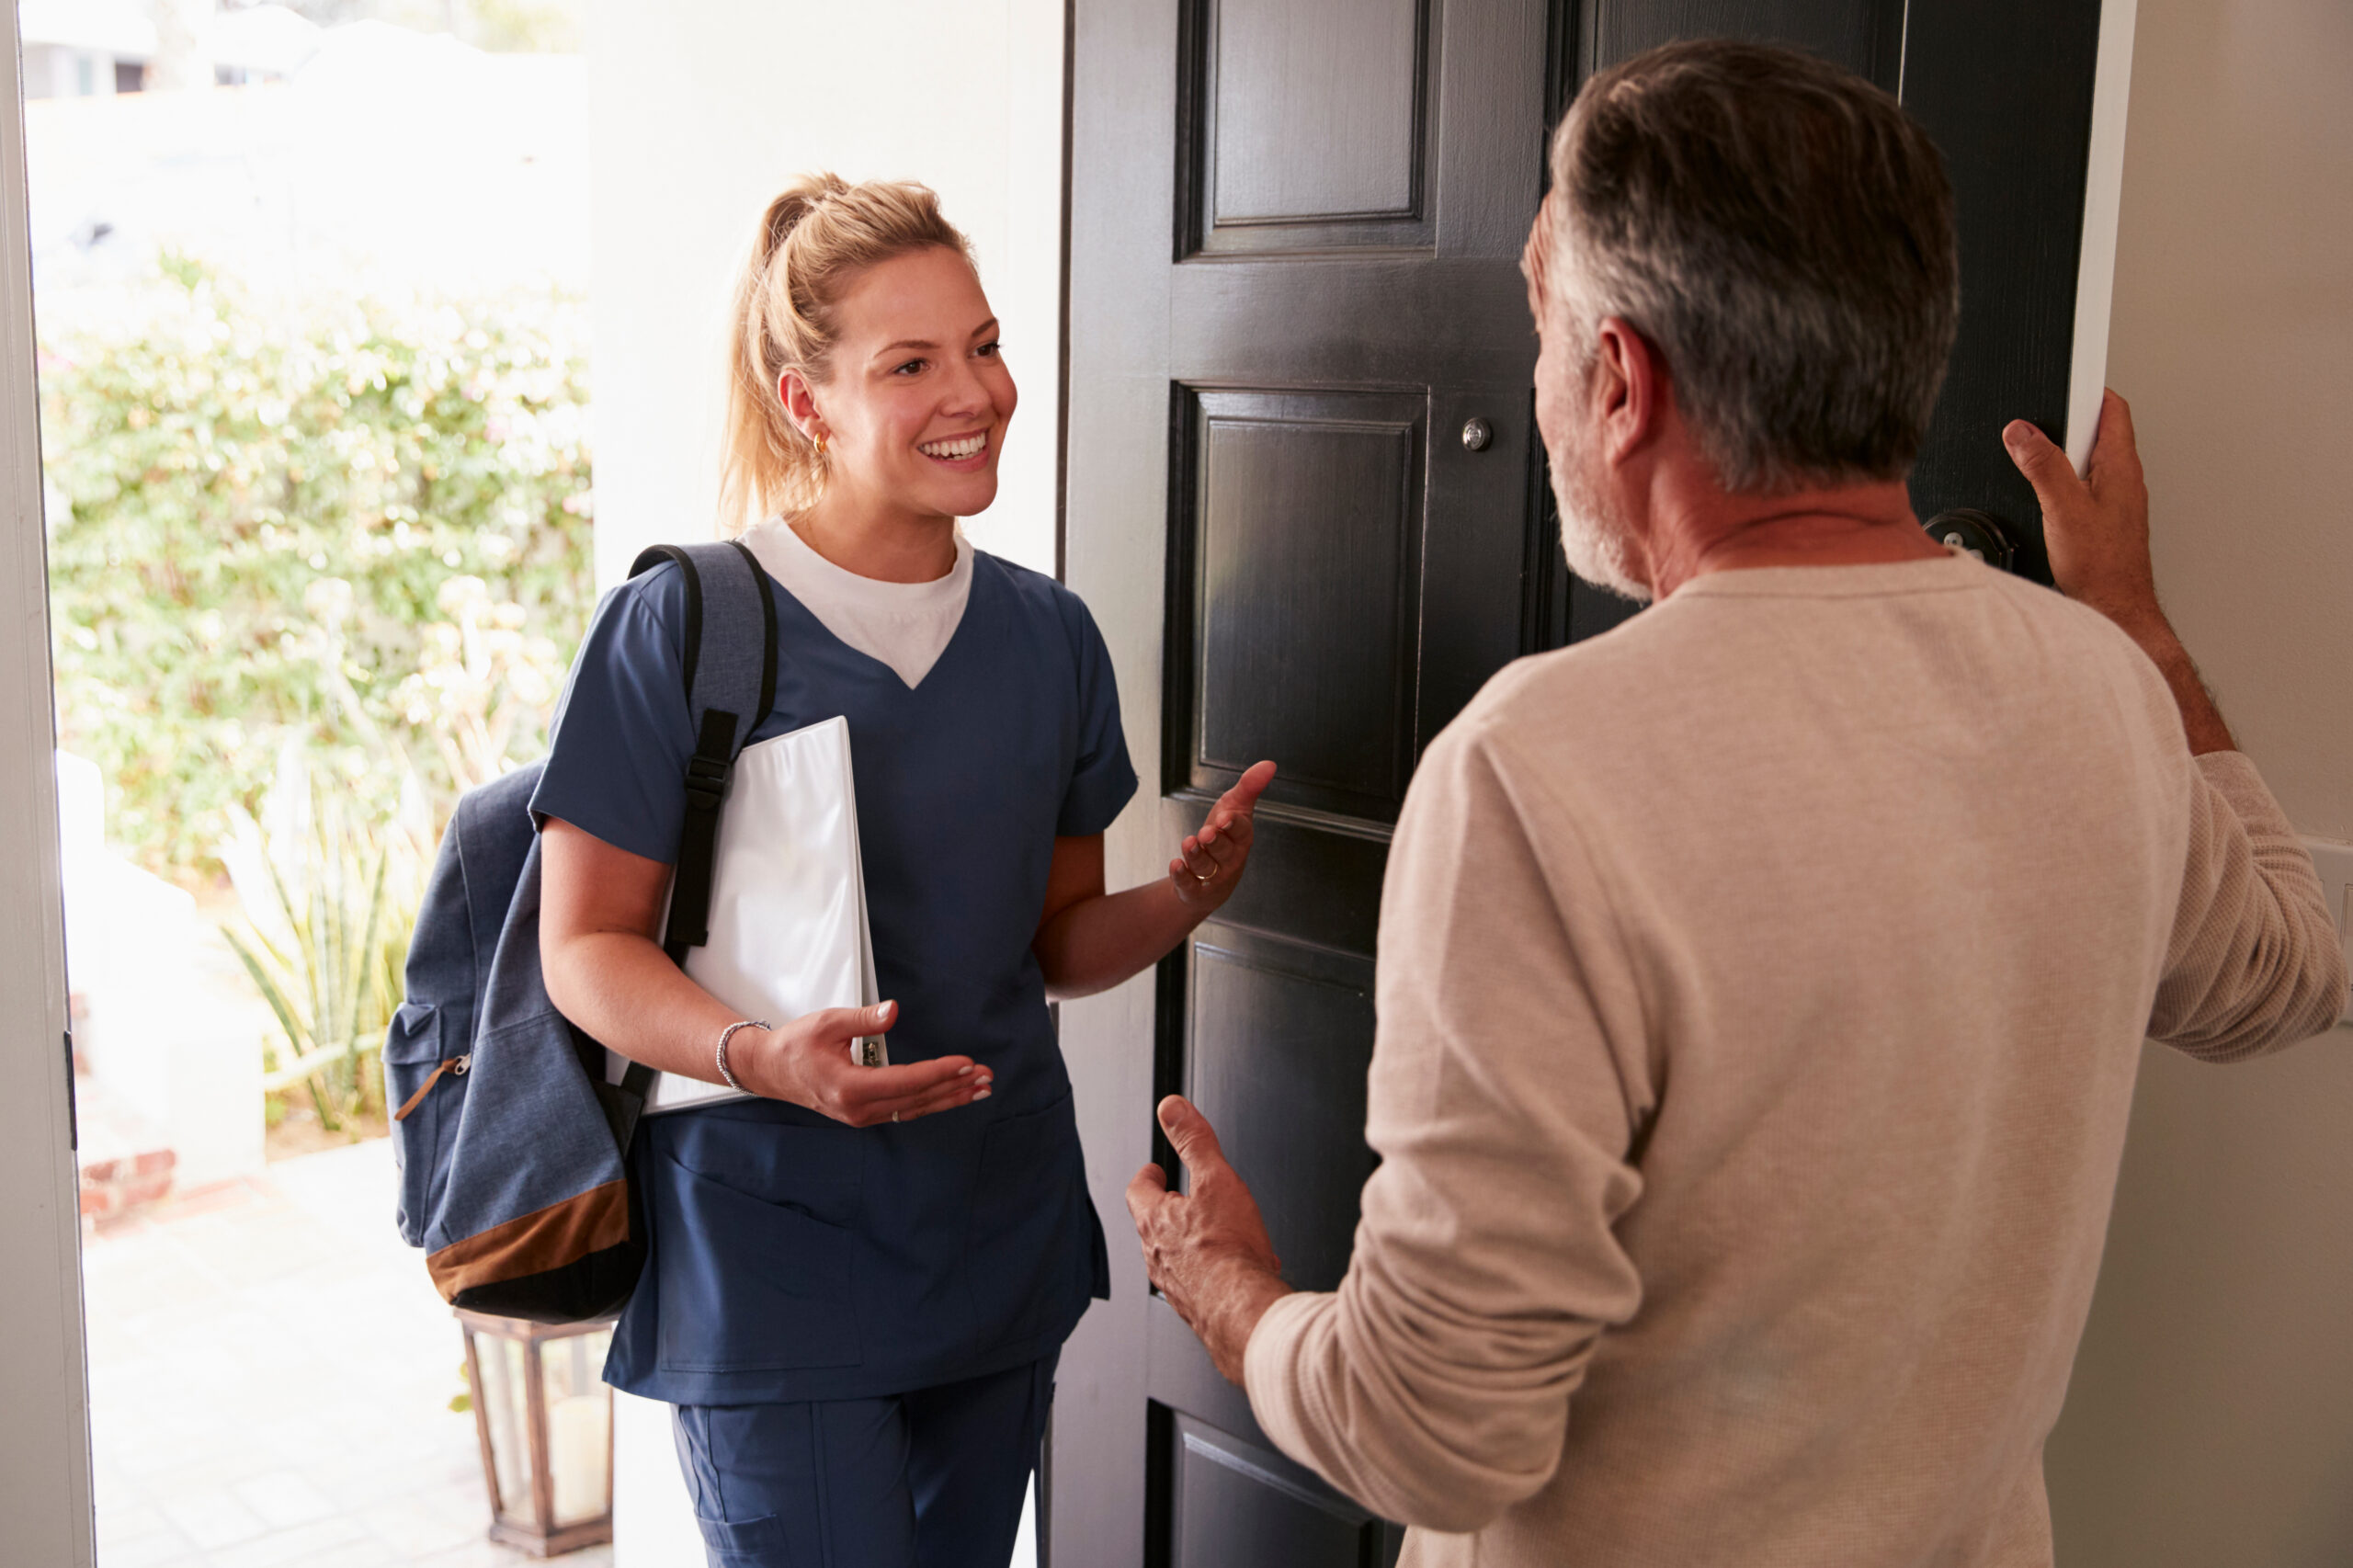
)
(456, 1066)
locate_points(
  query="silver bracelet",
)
(727, 1034)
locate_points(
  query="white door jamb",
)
(2103, 194)
(45, 1498)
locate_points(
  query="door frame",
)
(45, 1491)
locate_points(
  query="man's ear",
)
(1535, 261)
(1628, 389)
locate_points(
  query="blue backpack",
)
(513, 1149)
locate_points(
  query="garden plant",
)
(317, 566)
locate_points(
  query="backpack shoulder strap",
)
(729, 663)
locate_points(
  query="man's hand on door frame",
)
(2096, 530)
(1207, 1250)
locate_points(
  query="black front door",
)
(1306, 503)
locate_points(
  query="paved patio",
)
(270, 1376)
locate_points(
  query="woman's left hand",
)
(1209, 865)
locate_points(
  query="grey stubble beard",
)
(1593, 538)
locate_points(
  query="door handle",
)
(1976, 533)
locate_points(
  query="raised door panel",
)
(1306, 125)
(1274, 1044)
(1294, 574)
(1227, 1502)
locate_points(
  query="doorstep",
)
(126, 1162)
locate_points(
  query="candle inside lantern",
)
(579, 1446)
(545, 1422)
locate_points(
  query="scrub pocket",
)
(768, 1541)
(1030, 1262)
(800, 1485)
(753, 1244)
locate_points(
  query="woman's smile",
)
(965, 452)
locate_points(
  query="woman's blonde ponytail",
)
(814, 237)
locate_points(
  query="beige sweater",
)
(1760, 991)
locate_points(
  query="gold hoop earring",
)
(821, 443)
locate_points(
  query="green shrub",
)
(329, 899)
(362, 525)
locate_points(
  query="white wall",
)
(2210, 1419)
(703, 111)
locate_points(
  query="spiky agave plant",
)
(328, 901)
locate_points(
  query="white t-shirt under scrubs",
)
(903, 625)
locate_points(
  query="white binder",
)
(788, 898)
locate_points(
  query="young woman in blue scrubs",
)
(861, 1280)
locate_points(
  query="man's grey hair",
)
(1782, 233)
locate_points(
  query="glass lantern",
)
(545, 1419)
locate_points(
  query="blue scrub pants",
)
(931, 1479)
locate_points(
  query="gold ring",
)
(894, 1116)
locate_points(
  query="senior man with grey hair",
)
(1761, 985)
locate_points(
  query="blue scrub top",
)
(794, 1257)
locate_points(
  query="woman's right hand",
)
(807, 1062)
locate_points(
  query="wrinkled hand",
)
(2097, 531)
(2096, 526)
(1208, 864)
(1208, 1252)
(807, 1062)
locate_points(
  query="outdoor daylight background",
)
(327, 513)
(312, 305)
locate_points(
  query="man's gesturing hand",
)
(1208, 1252)
(1208, 863)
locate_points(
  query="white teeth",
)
(969, 446)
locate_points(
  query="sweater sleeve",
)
(1507, 1082)
(2254, 962)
